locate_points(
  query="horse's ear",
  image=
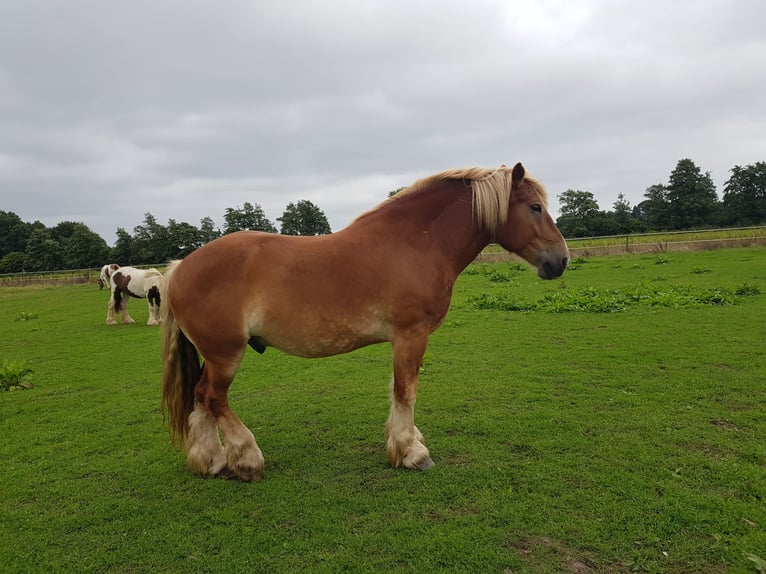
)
(518, 174)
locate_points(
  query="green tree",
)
(621, 217)
(83, 248)
(151, 242)
(43, 253)
(744, 195)
(249, 216)
(579, 214)
(578, 204)
(12, 262)
(14, 233)
(183, 238)
(207, 230)
(122, 252)
(304, 218)
(63, 230)
(692, 199)
(655, 211)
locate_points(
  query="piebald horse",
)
(388, 276)
(127, 282)
(105, 278)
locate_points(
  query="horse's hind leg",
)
(240, 456)
(154, 315)
(153, 299)
(405, 445)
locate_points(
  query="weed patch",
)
(14, 375)
(25, 316)
(576, 263)
(748, 290)
(503, 273)
(600, 300)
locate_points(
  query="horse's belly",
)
(310, 335)
(321, 346)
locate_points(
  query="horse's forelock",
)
(492, 194)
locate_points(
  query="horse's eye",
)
(537, 208)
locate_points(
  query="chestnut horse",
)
(388, 276)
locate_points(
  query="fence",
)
(661, 242)
(65, 277)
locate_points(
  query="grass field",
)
(618, 424)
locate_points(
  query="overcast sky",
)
(182, 108)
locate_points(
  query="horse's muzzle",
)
(552, 268)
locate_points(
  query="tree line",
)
(29, 247)
(688, 201)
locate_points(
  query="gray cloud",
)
(112, 110)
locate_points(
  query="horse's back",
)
(309, 296)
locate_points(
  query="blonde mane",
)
(491, 191)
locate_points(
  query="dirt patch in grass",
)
(538, 550)
(726, 425)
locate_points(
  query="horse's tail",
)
(181, 368)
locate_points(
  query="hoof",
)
(418, 458)
(423, 464)
(245, 475)
(426, 464)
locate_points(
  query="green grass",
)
(565, 441)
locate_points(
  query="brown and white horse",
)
(127, 282)
(388, 276)
(106, 274)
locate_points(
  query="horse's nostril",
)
(564, 262)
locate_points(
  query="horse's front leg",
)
(405, 445)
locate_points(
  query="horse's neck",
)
(443, 215)
(457, 232)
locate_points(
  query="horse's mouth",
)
(552, 269)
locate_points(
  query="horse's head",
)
(529, 230)
(106, 273)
